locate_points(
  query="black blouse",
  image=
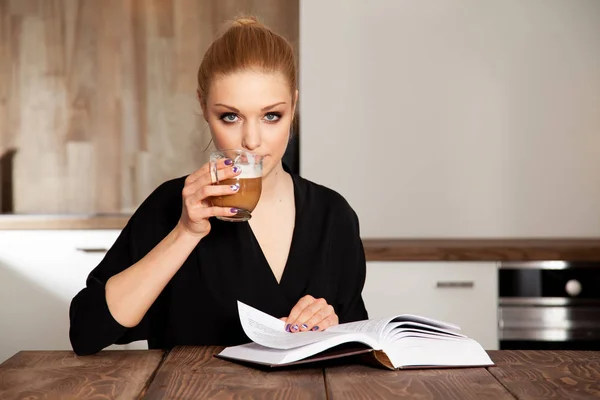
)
(199, 305)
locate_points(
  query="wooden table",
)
(193, 373)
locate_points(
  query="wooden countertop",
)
(193, 373)
(467, 249)
(525, 249)
(62, 222)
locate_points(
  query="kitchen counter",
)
(524, 249)
(62, 221)
(468, 249)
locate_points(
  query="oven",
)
(549, 305)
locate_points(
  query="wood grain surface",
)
(516, 249)
(62, 222)
(98, 98)
(541, 375)
(363, 382)
(63, 375)
(193, 373)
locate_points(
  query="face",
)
(252, 111)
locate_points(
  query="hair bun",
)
(244, 21)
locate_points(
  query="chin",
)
(269, 164)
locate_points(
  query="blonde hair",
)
(247, 44)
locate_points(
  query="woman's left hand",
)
(311, 314)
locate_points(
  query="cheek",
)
(275, 140)
(277, 136)
(223, 137)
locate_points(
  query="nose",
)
(251, 138)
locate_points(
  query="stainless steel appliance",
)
(549, 305)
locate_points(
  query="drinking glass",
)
(249, 182)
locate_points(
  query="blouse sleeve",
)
(348, 251)
(92, 326)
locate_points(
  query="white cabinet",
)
(463, 293)
(40, 272)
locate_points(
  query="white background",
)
(464, 118)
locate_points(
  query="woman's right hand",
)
(198, 189)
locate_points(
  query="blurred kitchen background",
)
(465, 134)
(98, 103)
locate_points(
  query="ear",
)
(202, 102)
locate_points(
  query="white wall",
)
(455, 118)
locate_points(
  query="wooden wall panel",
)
(98, 98)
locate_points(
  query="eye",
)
(229, 118)
(272, 117)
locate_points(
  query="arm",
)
(347, 250)
(129, 294)
(121, 292)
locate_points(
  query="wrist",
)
(180, 232)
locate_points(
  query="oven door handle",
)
(455, 284)
(90, 250)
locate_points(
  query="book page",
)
(255, 353)
(399, 334)
(392, 327)
(270, 332)
(421, 352)
(371, 326)
(426, 321)
(381, 328)
(264, 355)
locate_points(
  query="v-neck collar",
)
(289, 263)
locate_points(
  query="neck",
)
(272, 183)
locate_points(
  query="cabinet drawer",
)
(58, 261)
(41, 271)
(57, 240)
(463, 293)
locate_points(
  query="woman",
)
(174, 275)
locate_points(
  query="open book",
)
(404, 341)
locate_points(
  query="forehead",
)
(249, 89)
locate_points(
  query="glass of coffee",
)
(249, 182)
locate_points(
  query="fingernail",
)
(228, 162)
(235, 187)
(287, 328)
(236, 170)
(305, 326)
(234, 210)
(295, 327)
(315, 328)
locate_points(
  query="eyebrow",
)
(267, 108)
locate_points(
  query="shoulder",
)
(162, 206)
(323, 199)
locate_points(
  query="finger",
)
(209, 178)
(320, 318)
(225, 173)
(217, 212)
(299, 323)
(192, 193)
(205, 169)
(317, 311)
(298, 308)
(211, 191)
(328, 322)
